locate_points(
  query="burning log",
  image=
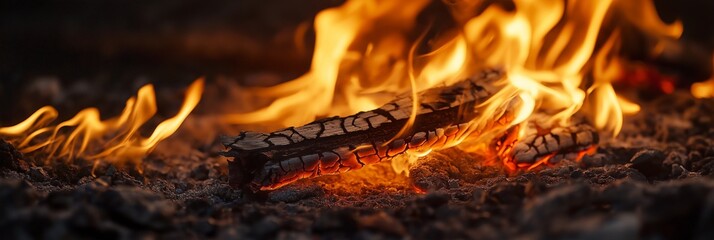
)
(547, 146)
(340, 144)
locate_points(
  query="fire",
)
(359, 63)
(561, 57)
(703, 89)
(115, 140)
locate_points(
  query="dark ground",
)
(653, 182)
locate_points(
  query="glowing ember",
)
(115, 140)
(704, 89)
(560, 56)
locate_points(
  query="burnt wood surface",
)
(340, 144)
(554, 145)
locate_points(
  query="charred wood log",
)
(266, 161)
(548, 146)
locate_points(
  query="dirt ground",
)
(651, 182)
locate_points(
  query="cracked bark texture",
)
(267, 161)
(549, 146)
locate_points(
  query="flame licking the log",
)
(86, 135)
(560, 58)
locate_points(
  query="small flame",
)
(704, 89)
(86, 136)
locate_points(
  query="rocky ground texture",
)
(652, 182)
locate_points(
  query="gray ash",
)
(652, 182)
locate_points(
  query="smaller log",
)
(551, 146)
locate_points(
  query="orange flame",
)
(704, 89)
(354, 66)
(561, 57)
(86, 136)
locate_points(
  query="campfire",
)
(553, 69)
(414, 119)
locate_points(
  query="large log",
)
(340, 144)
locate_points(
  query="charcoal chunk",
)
(558, 201)
(650, 163)
(200, 173)
(38, 174)
(10, 158)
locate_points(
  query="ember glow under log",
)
(545, 146)
(340, 144)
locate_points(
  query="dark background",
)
(115, 46)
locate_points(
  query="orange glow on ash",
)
(418, 190)
(86, 135)
(640, 76)
(591, 150)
